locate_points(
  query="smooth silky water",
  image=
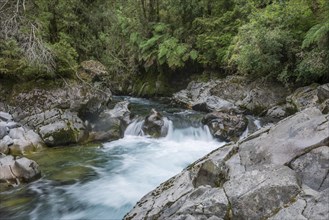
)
(105, 181)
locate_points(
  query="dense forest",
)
(285, 40)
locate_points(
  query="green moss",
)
(15, 202)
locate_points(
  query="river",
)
(104, 181)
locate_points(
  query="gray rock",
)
(293, 211)
(213, 103)
(202, 203)
(317, 207)
(18, 170)
(121, 111)
(313, 168)
(154, 125)
(106, 129)
(111, 124)
(304, 97)
(277, 112)
(3, 131)
(323, 92)
(5, 116)
(7, 140)
(152, 204)
(234, 165)
(286, 140)
(227, 126)
(324, 107)
(62, 133)
(3, 147)
(160, 200)
(28, 142)
(195, 93)
(211, 174)
(257, 194)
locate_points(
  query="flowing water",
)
(105, 181)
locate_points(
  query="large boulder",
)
(59, 111)
(257, 194)
(287, 140)
(227, 126)
(111, 124)
(230, 93)
(17, 170)
(154, 125)
(264, 176)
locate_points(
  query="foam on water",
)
(142, 163)
(128, 169)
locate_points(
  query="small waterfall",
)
(135, 128)
(190, 133)
(201, 133)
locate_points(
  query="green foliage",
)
(271, 43)
(11, 62)
(66, 57)
(286, 40)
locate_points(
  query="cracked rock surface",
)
(278, 172)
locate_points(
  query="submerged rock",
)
(18, 170)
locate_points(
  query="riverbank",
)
(76, 112)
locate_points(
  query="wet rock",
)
(111, 124)
(154, 125)
(257, 194)
(121, 111)
(313, 168)
(106, 129)
(17, 170)
(287, 139)
(304, 97)
(227, 126)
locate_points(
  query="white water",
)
(142, 164)
(136, 166)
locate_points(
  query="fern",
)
(316, 34)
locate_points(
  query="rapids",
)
(105, 181)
